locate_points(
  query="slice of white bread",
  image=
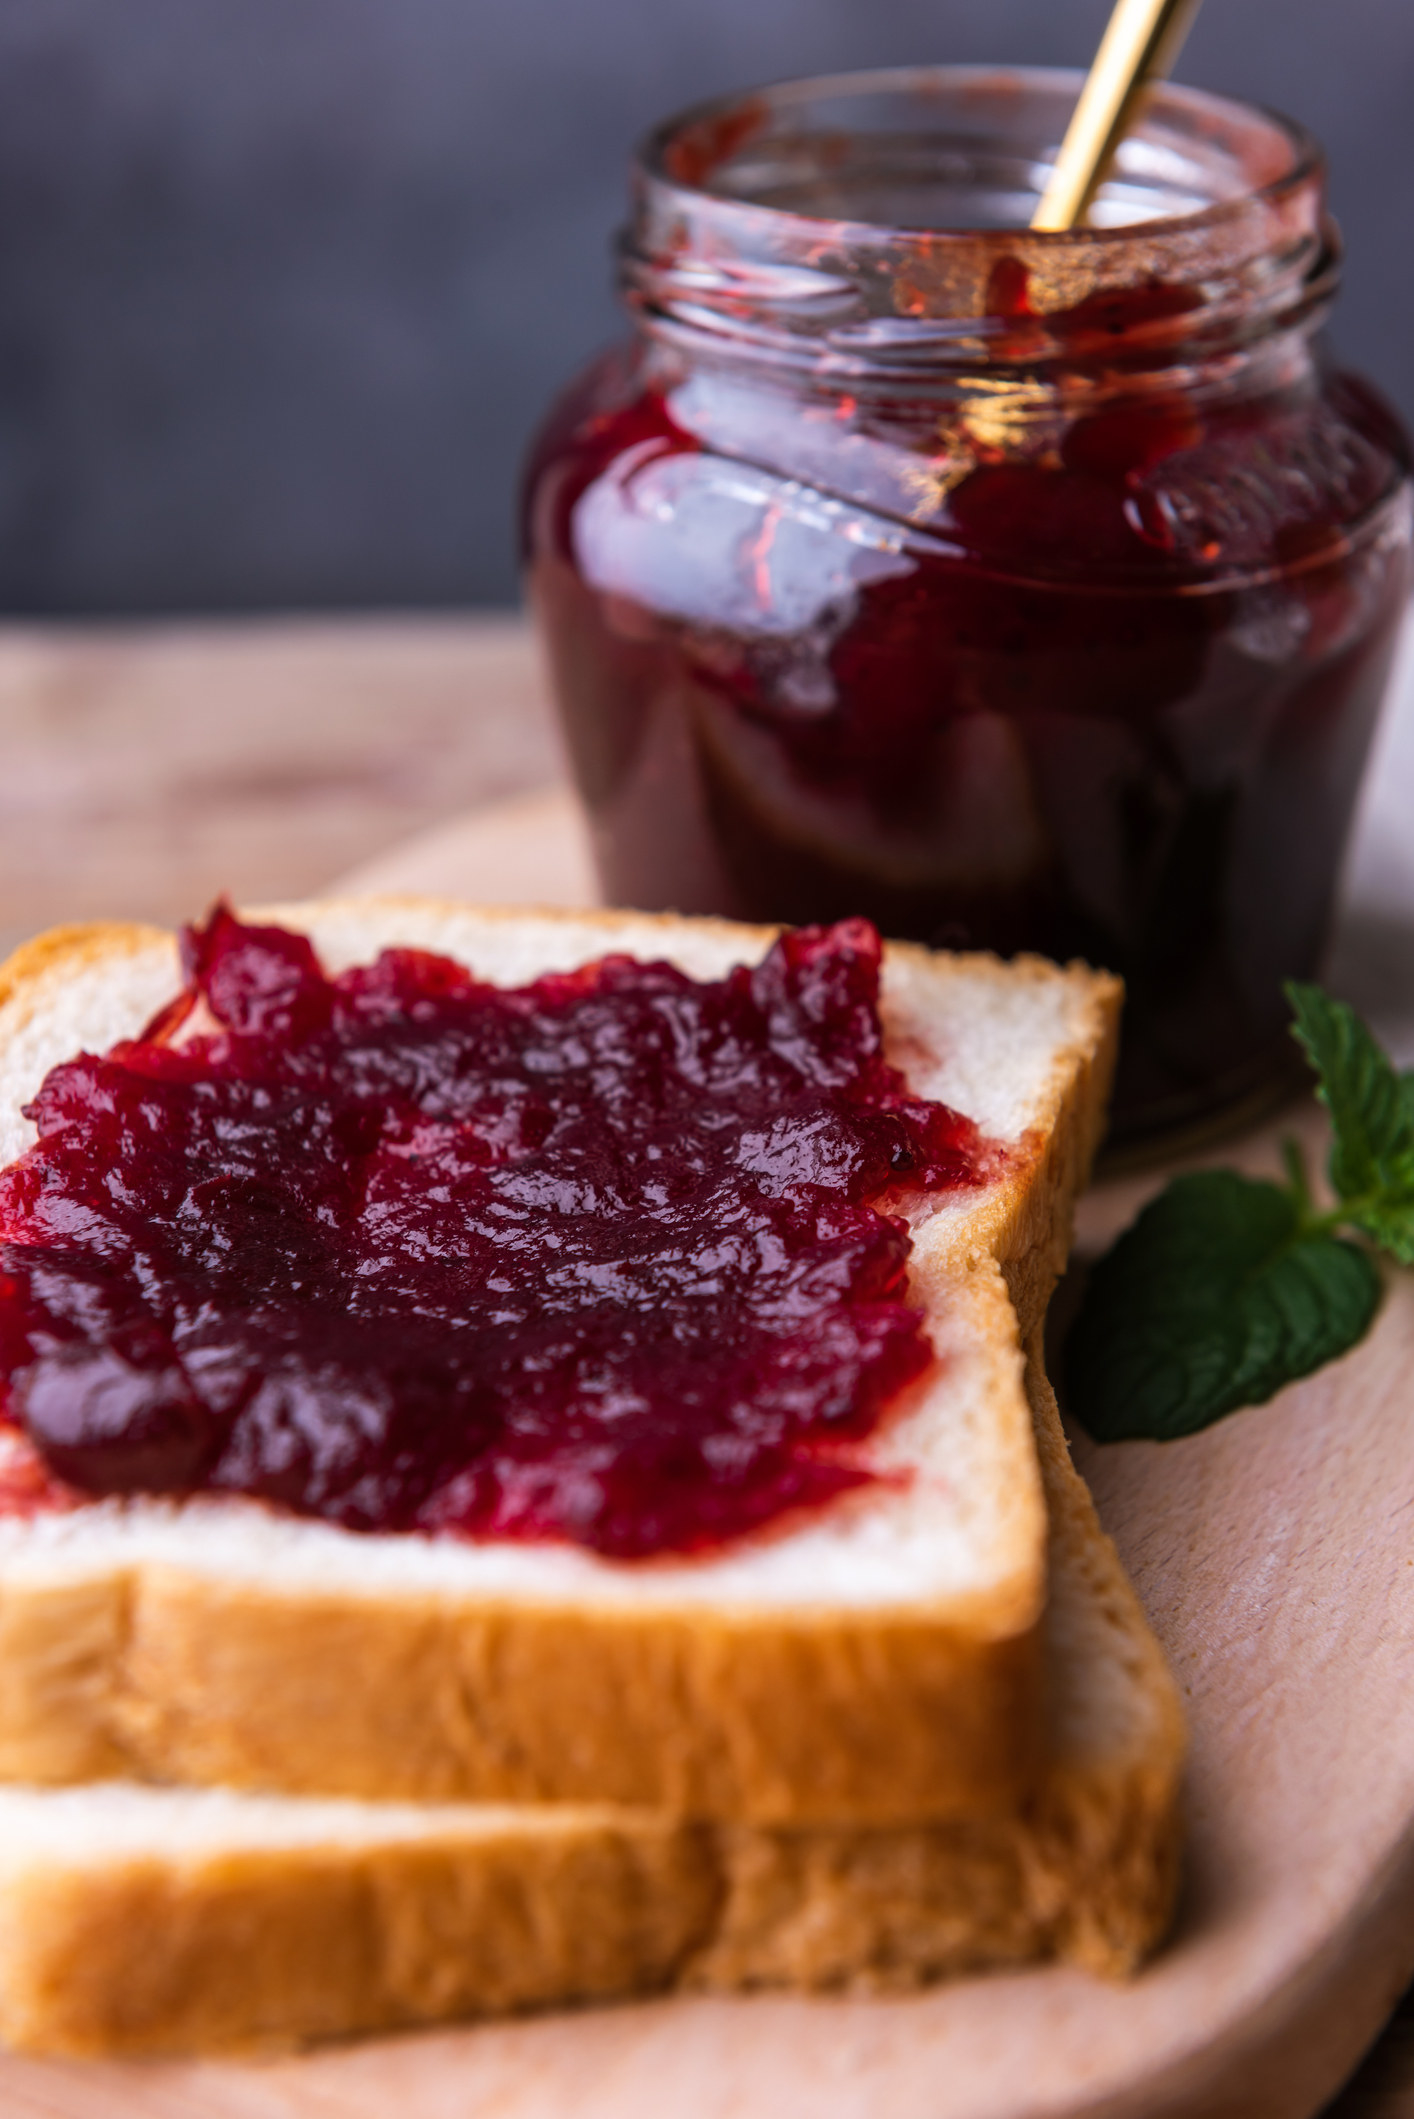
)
(138, 1919)
(874, 1660)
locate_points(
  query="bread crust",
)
(823, 1715)
(190, 1944)
(1086, 1870)
(252, 1947)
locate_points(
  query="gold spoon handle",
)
(1141, 41)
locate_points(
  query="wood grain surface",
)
(1274, 1555)
(147, 768)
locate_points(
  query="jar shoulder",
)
(1147, 484)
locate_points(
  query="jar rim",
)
(711, 131)
(718, 258)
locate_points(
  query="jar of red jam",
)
(1020, 591)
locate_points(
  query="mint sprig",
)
(1372, 1117)
(1228, 1287)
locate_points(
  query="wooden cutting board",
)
(1275, 1556)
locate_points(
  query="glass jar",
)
(1020, 591)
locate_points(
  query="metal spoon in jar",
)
(1141, 42)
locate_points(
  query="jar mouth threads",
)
(928, 137)
(878, 221)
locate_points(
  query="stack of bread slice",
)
(266, 1780)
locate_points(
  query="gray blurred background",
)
(285, 284)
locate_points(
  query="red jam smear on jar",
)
(1102, 688)
(594, 1259)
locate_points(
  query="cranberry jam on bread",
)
(827, 1610)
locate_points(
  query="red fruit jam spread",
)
(1010, 589)
(1051, 719)
(600, 1258)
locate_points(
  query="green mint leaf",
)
(1372, 1117)
(1213, 1300)
(1390, 1221)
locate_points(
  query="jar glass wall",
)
(1019, 591)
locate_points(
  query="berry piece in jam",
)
(597, 1259)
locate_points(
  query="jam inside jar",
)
(1015, 590)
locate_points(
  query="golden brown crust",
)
(1086, 1871)
(1110, 1807)
(177, 1675)
(883, 1718)
(184, 1950)
(28, 968)
(247, 1948)
(61, 1658)
(1034, 1253)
